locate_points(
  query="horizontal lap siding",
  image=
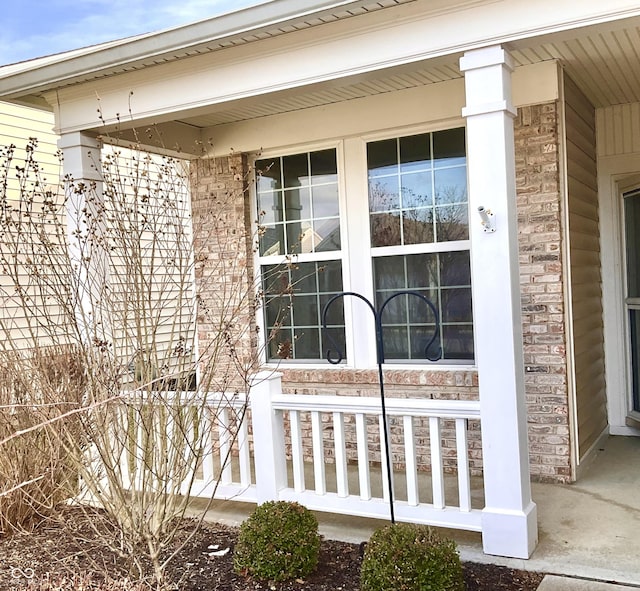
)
(586, 281)
(39, 320)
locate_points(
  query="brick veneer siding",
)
(542, 286)
(539, 221)
(224, 271)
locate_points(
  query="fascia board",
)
(47, 72)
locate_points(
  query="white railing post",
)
(509, 526)
(268, 436)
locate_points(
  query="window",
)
(418, 196)
(299, 252)
(416, 189)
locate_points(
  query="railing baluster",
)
(437, 473)
(208, 471)
(383, 461)
(464, 480)
(243, 450)
(225, 438)
(296, 451)
(410, 461)
(364, 476)
(320, 481)
(340, 455)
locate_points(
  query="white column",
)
(509, 521)
(85, 230)
(268, 436)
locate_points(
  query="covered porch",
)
(586, 530)
(547, 276)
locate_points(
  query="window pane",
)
(449, 147)
(422, 270)
(327, 235)
(280, 343)
(452, 223)
(305, 310)
(384, 194)
(419, 311)
(382, 157)
(335, 311)
(272, 240)
(418, 226)
(451, 185)
(456, 305)
(304, 278)
(457, 342)
(268, 174)
(387, 275)
(296, 170)
(307, 343)
(423, 344)
(297, 203)
(455, 269)
(325, 201)
(415, 152)
(305, 198)
(333, 341)
(385, 229)
(416, 189)
(329, 276)
(395, 341)
(278, 311)
(395, 309)
(323, 164)
(299, 237)
(269, 207)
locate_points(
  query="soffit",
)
(603, 60)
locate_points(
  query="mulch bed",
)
(54, 551)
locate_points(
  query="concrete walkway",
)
(589, 532)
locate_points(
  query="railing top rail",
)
(229, 399)
(370, 405)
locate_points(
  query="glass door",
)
(632, 299)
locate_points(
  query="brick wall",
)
(539, 219)
(224, 272)
(542, 284)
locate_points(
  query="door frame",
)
(616, 175)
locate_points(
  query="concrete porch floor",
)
(590, 529)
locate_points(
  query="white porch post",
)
(268, 436)
(85, 222)
(509, 521)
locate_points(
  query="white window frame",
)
(356, 249)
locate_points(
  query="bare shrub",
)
(35, 473)
(105, 270)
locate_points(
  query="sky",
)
(42, 27)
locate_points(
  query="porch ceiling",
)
(604, 61)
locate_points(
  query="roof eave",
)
(43, 74)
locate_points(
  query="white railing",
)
(325, 452)
(281, 418)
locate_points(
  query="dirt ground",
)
(64, 557)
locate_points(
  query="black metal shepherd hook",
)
(339, 356)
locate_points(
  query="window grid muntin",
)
(321, 297)
(433, 167)
(312, 186)
(439, 161)
(381, 294)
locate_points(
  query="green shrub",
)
(278, 541)
(408, 557)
